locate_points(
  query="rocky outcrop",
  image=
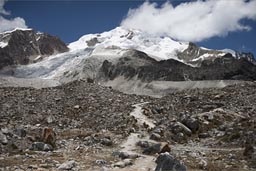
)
(193, 52)
(195, 55)
(138, 64)
(27, 46)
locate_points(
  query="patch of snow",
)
(38, 57)
(3, 44)
(229, 51)
(207, 56)
(22, 29)
(107, 53)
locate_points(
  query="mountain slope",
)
(132, 56)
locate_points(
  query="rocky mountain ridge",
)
(24, 46)
(134, 56)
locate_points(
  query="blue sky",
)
(71, 19)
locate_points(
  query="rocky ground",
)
(83, 126)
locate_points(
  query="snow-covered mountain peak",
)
(16, 29)
(155, 46)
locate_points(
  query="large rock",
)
(157, 148)
(49, 136)
(123, 163)
(166, 162)
(40, 146)
(192, 123)
(178, 127)
(68, 165)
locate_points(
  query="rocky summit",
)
(124, 100)
(24, 46)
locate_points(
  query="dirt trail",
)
(144, 162)
(140, 117)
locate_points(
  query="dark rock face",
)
(193, 51)
(147, 69)
(27, 46)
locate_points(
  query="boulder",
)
(40, 146)
(192, 123)
(124, 163)
(166, 162)
(49, 137)
(20, 132)
(157, 148)
(106, 142)
(155, 136)
(180, 128)
(143, 144)
(68, 165)
(204, 135)
(153, 149)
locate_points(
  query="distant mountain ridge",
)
(130, 54)
(24, 46)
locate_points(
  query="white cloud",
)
(192, 21)
(9, 24)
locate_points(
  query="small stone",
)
(203, 164)
(106, 141)
(165, 148)
(125, 155)
(68, 165)
(124, 163)
(203, 135)
(155, 136)
(40, 146)
(132, 130)
(50, 119)
(248, 150)
(101, 162)
(143, 144)
(32, 167)
(3, 138)
(5, 131)
(76, 107)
